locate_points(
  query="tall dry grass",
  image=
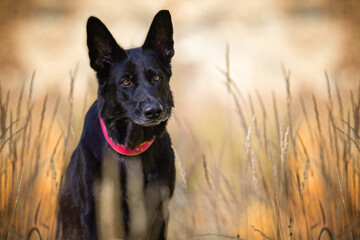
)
(35, 146)
(288, 168)
(292, 173)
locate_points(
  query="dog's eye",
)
(125, 82)
(156, 78)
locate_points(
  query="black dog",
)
(127, 126)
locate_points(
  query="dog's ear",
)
(103, 49)
(160, 36)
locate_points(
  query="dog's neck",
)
(131, 135)
(121, 148)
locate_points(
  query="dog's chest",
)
(130, 198)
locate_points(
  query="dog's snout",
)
(153, 110)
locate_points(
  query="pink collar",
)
(121, 148)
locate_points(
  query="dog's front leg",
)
(157, 203)
(89, 225)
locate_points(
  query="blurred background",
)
(292, 64)
(308, 37)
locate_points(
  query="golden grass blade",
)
(344, 205)
(16, 203)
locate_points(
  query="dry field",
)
(288, 169)
(263, 152)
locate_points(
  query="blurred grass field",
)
(278, 173)
(272, 154)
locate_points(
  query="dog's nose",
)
(153, 110)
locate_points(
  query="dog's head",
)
(133, 83)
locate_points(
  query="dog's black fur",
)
(135, 102)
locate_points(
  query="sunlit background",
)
(289, 173)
